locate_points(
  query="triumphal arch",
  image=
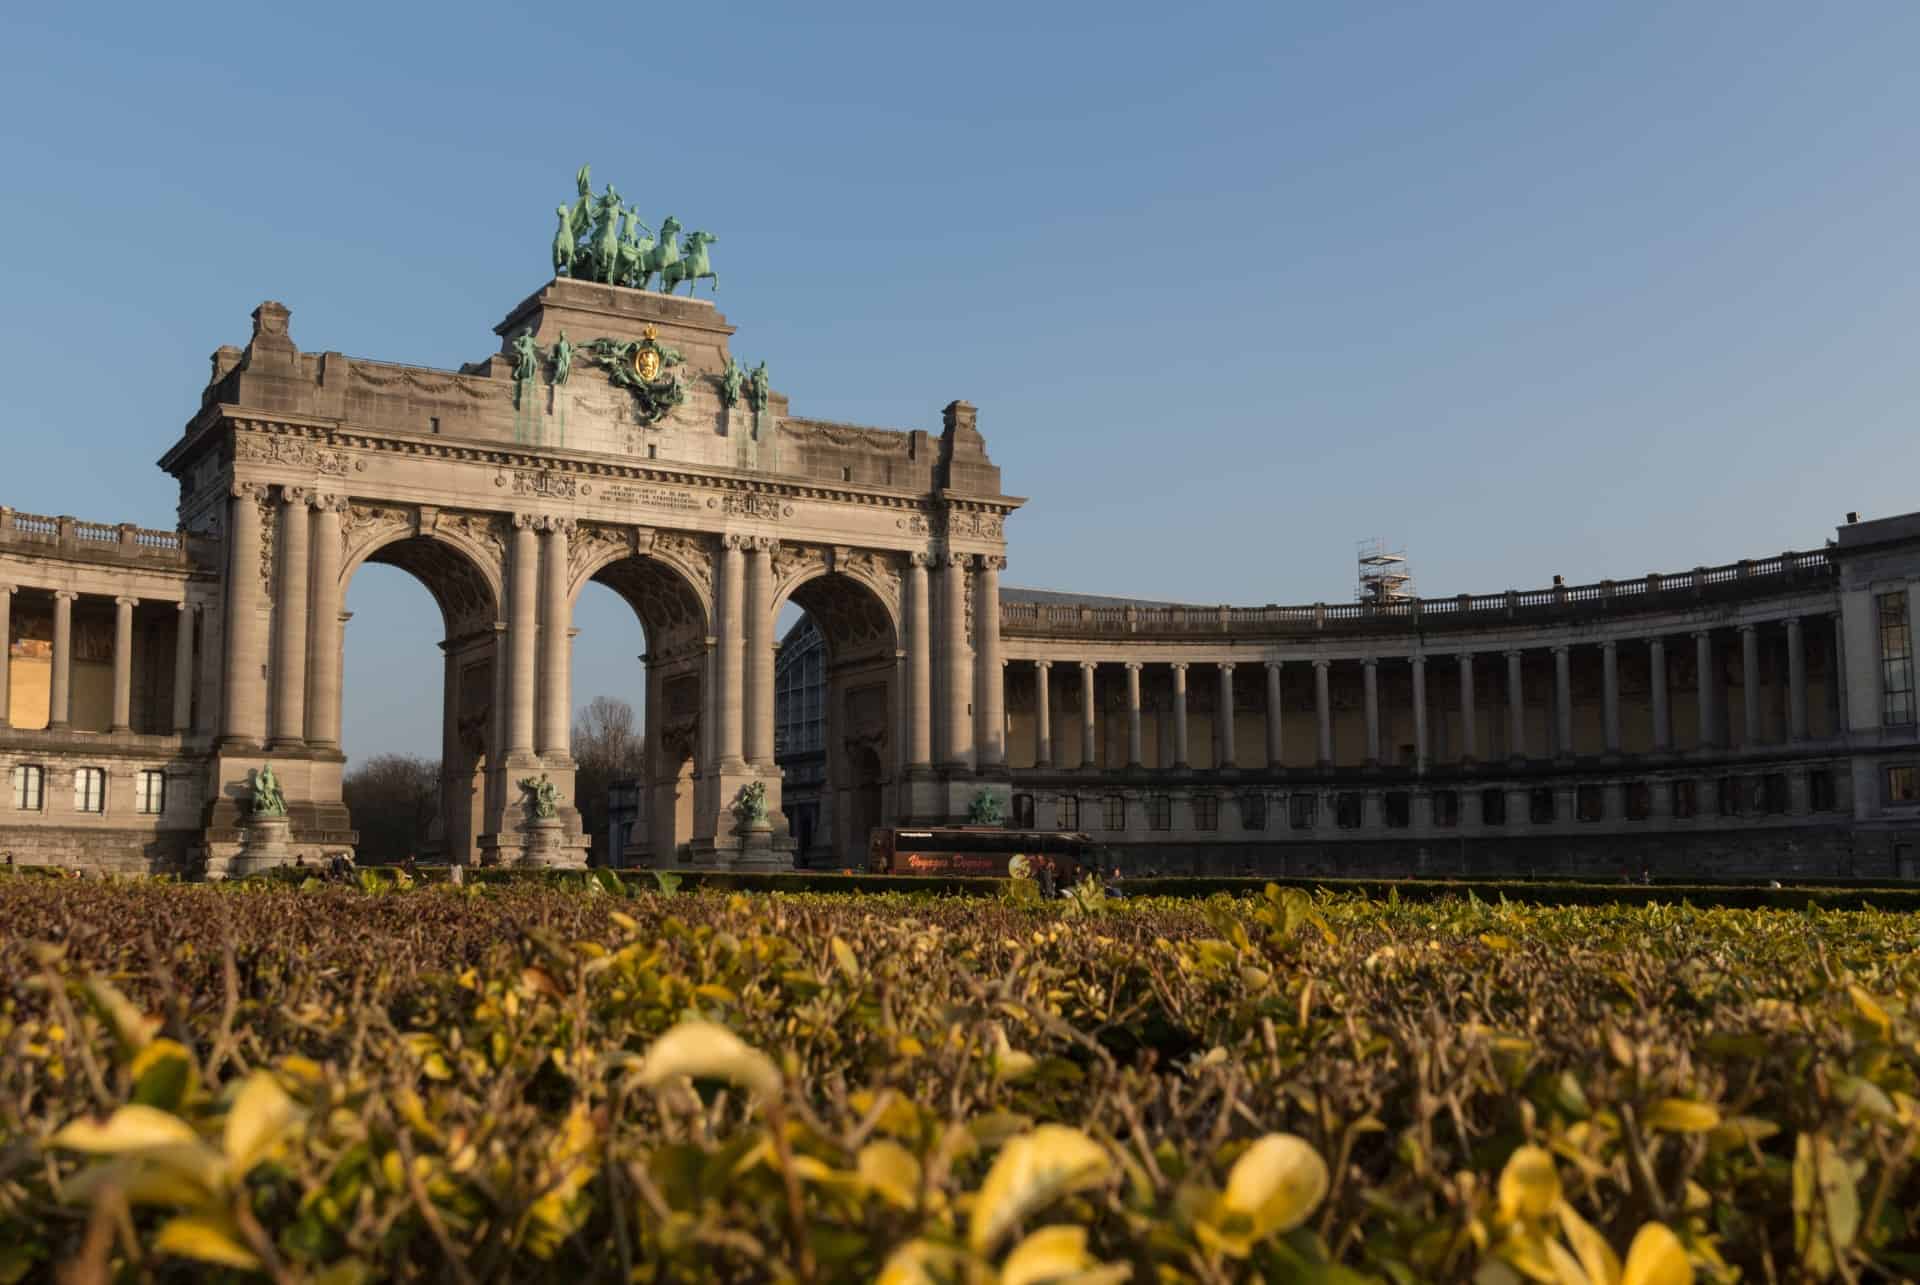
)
(612, 436)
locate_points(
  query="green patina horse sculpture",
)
(666, 251)
(633, 251)
(694, 266)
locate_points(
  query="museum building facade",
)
(171, 700)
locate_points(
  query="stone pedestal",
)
(549, 846)
(265, 842)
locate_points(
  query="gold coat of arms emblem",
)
(647, 360)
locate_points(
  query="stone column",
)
(6, 655)
(1223, 721)
(555, 652)
(730, 696)
(183, 669)
(989, 696)
(1750, 686)
(1134, 758)
(1042, 715)
(1703, 651)
(323, 620)
(243, 715)
(1662, 720)
(290, 623)
(1796, 681)
(1323, 715)
(957, 753)
(123, 664)
(523, 630)
(1516, 709)
(60, 696)
(1089, 729)
(920, 666)
(1469, 737)
(1274, 742)
(760, 648)
(1179, 716)
(1563, 700)
(1370, 694)
(1420, 714)
(1610, 694)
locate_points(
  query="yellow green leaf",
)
(1597, 1259)
(1277, 1182)
(1656, 1257)
(843, 958)
(129, 1129)
(1870, 1009)
(891, 1171)
(707, 1050)
(211, 1240)
(131, 1027)
(262, 1114)
(1055, 1255)
(1529, 1185)
(1682, 1115)
(1031, 1172)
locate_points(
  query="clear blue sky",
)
(1589, 289)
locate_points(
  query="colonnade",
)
(60, 684)
(1709, 734)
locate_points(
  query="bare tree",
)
(394, 800)
(607, 747)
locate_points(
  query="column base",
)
(286, 743)
(120, 729)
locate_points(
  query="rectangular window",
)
(1728, 789)
(1896, 659)
(1206, 812)
(1116, 809)
(1589, 802)
(1901, 787)
(1253, 810)
(1540, 804)
(1493, 806)
(1773, 793)
(1346, 810)
(1686, 798)
(150, 788)
(1820, 793)
(1066, 812)
(29, 788)
(1639, 801)
(89, 789)
(1446, 809)
(1159, 812)
(1302, 810)
(1396, 807)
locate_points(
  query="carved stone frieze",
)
(263, 500)
(547, 483)
(594, 544)
(760, 508)
(295, 452)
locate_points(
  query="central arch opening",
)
(643, 810)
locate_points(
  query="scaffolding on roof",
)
(1384, 574)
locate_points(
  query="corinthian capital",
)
(992, 562)
(956, 561)
(293, 495)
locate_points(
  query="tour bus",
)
(977, 850)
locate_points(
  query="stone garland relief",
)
(477, 390)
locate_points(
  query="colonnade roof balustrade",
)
(1678, 591)
(123, 542)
